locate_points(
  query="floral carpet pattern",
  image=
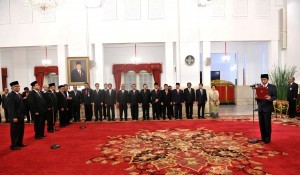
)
(283, 121)
(184, 151)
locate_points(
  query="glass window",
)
(146, 78)
(139, 79)
(129, 79)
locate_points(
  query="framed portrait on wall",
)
(78, 70)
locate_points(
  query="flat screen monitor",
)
(214, 75)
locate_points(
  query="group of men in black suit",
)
(163, 102)
(39, 106)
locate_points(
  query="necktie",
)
(40, 94)
(75, 93)
(177, 91)
(19, 95)
(156, 91)
(166, 92)
(86, 91)
(189, 90)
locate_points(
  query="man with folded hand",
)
(16, 116)
(38, 108)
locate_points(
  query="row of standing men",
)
(44, 106)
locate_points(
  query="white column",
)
(1, 88)
(206, 80)
(240, 68)
(273, 54)
(99, 64)
(20, 67)
(178, 63)
(169, 64)
(61, 60)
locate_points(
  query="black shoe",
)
(23, 145)
(121, 119)
(51, 131)
(125, 119)
(109, 119)
(15, 148)
(96, 120)
(39, 138)
(203, 117)
(28, 122)
(267, 141)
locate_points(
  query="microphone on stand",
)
(255, 85)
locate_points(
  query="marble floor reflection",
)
(236, 110)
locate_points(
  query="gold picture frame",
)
(78, 69)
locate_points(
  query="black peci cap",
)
(51, 84)
(264, 76)
(14, 83)
(33, 83)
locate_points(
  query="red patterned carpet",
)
(160, 147)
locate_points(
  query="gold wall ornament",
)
(189, 60)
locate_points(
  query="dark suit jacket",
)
(155, 96)
(177, 98)
(134, 98)
(201, 98)
(110, 99)
(76, 98)
(123, 98)
(166, 98)
(75, 77)
(25, 101)
(36, 102)
(61, 101)
(50, 99)
(266, 105)
(87, 96)
(98, 97)
(4, 104)
(145, 97)
(292, 91)
(15, 106)
(189, 97)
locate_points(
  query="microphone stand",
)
(55, 145)
(253, 105)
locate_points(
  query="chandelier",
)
(46, 62)
(204, 3)
(42, 6)
(225, 58)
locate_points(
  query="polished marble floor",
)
(236, 110)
